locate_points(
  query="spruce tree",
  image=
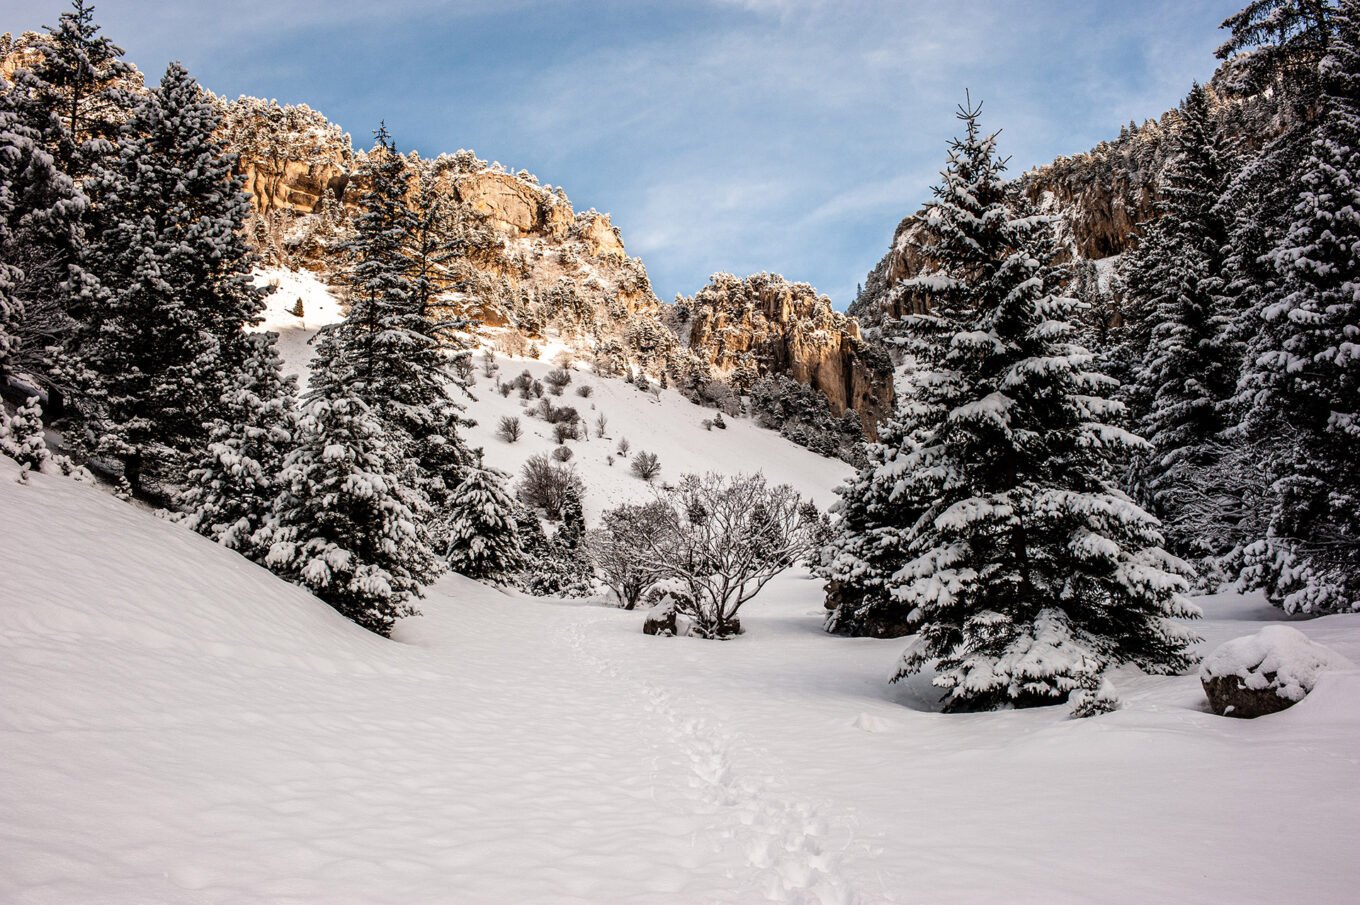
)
(344, 526)
(171, 283)
(22, 439)
(389, 347)
(865, 548)
(231, 492)
(1302, 385)
(1189, 367)
(483, 534)
(1027, 573)
(38, 206)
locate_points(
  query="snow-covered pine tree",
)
(389, 347)
(1028, 574)
(38, 207)
(483, 535)
(865, 549)
(1302, 383)
(1188, 369)
(230, 494)
(80, 77)
(172, 288)
(21, 437)
(344, 525)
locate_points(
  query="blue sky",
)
(736, 135)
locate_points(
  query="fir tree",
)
(1188, 368)
(483, 534)
(388, 350)
(1302, 386)
(344, 526)
(231, 493)
(1027, 573)
(172, 285)
(21, 437)
(38, 206)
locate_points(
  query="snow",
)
(182, 727)
(319, 308)
(1277, 656)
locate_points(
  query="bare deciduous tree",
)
(543, 485)
(646, 466)
(724, 539)
(620, 556)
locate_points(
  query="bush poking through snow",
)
(557, 380)
(562, 453)
(624, 447)
(646, 466)
(544, 485)
(1265, 672)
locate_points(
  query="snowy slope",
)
(666, 424)
(181, 727)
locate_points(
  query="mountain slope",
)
(662, 422)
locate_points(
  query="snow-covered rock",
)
(1265, 672)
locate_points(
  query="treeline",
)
(127, 300)
(1008, 518)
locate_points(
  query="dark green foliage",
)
(169, 288)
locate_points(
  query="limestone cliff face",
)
(530, 266)
(767, 324)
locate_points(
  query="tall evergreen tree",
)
(345, 526)
(1302, 385)
(1028, 574)
(38, 205)
(82, 79)
(389, 350)
(1189, 367)
(172, 287)
(231, 492)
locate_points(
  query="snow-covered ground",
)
(179, 726)
(664, 423)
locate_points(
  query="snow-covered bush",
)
(620, 557)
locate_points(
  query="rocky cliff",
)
(764, 325)
(532, 268)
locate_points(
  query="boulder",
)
(1266, 672)
(661, 618)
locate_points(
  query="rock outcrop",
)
(768, 325)
(530, 265)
